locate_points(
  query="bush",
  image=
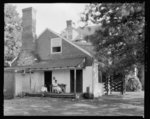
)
(133, 85)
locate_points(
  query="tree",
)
(119, 44)
(12, 34)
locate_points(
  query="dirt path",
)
(131, 104)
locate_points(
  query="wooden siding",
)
(68, 50)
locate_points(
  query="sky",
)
(54, 15)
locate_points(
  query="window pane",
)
(56, 49)
(56, 42)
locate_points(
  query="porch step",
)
(53, 95)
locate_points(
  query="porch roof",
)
(54, 64)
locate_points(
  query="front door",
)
(48, 79)
(79, 80)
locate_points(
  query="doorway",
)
(79, 81)
(48, 79)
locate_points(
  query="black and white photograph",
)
(74, 59)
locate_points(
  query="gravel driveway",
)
(130, 104)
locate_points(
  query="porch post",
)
(75, 82)
(30, 79)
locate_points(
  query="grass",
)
(130, 104)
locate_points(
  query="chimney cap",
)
(69, 20)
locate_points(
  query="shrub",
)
(133, 85)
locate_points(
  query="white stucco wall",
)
(62, 76)
(98, 87)
(22, 82)
(18, 84)
(37, 81)
(87, 78)
(26, 83)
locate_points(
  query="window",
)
(56, 45)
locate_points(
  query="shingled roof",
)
(53, 64)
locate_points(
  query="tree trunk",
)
(142, 75)
(139, 88)
(108, 86)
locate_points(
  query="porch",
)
(30, 79)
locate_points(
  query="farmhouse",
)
(50, 55)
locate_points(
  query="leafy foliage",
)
(26, 58)
(120, 41)
(12, 33)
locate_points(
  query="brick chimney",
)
(29, 29)
(69, 23)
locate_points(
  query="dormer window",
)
(56, 45)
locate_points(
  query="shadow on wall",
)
(8, 85)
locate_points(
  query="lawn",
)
(130, 104)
